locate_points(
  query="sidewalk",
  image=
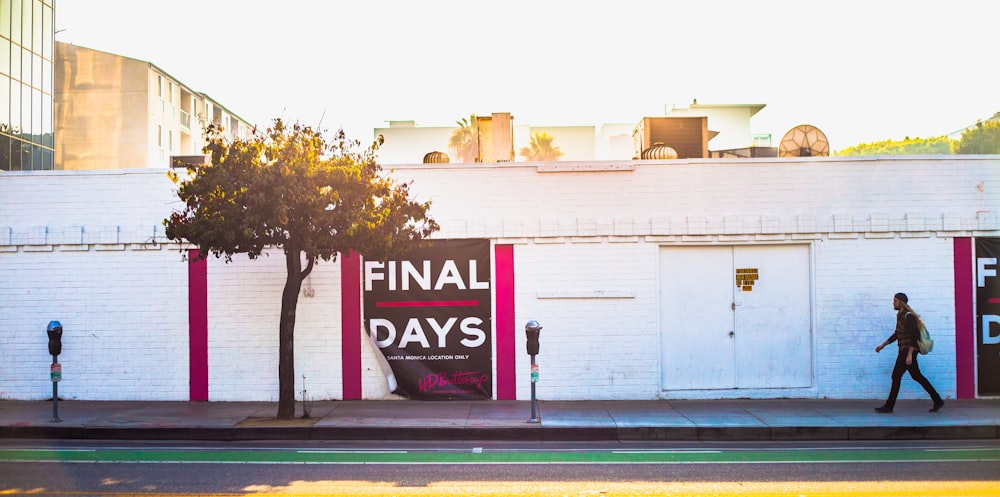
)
(687, 420)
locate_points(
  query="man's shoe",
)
(937, 406)
(883, 410)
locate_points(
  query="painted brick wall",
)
(244, 302)
(94, 205)
(597, 303)
(87, 248)
(124, 318)
(855, 281)
(706, 198)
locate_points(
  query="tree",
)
(540, 149)
(982, 139)
(292, 189)
(940, 145)
(464, 141)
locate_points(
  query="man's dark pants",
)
(914, 370)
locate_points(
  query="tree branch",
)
(309, 266)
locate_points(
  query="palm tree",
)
(464, 142)
(540, 149)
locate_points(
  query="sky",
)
(861, 71)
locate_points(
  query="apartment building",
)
(116, 112)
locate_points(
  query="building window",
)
(15, 62)
(5, 15)
(4, 55)
(36, 158)
(25, 110)
(15, 25)
(25, 156)
(5, 123)
(48, 32)
(4, 153)
(36, 27)
(15, 155)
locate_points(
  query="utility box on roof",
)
(687, 135)
(496, 137)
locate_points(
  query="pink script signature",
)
(459, 378)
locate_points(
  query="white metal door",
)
(773, 345)
(735, 317)
(697, 347)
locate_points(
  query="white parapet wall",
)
(88, 249)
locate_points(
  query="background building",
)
(726, 134)
(730, 121)
(115, 112)
(27, 33)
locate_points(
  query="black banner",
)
(988, 316)
(429, 315)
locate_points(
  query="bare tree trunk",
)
(286, 333)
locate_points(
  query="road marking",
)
(350, 451)
(817, 456)
(666, 451)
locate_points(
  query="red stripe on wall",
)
(350, 325)
(965, 321)
(430, 303)
(506, 365)
(197, 327)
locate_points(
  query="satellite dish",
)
(804, 141)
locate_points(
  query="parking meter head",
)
(532, 330)
(55, 331)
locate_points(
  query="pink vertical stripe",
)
(506, 365)
(197, 327)
(350, 324)
(965, 321)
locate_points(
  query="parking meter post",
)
(532, 330)
(54, 331)
(55, 395)
(534, 401)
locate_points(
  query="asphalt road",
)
(813, 469)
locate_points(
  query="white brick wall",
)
(597, 303)
(82, 248)
(124, 318)
(244, 303)
(134, 200)
(855, 281)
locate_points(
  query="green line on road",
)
(499, 457)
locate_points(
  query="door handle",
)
(732, 334)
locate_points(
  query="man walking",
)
(906, 335)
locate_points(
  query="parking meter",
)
(532, 330)
(55, 331)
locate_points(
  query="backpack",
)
(924, 344)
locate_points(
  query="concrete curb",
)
(527, 433)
